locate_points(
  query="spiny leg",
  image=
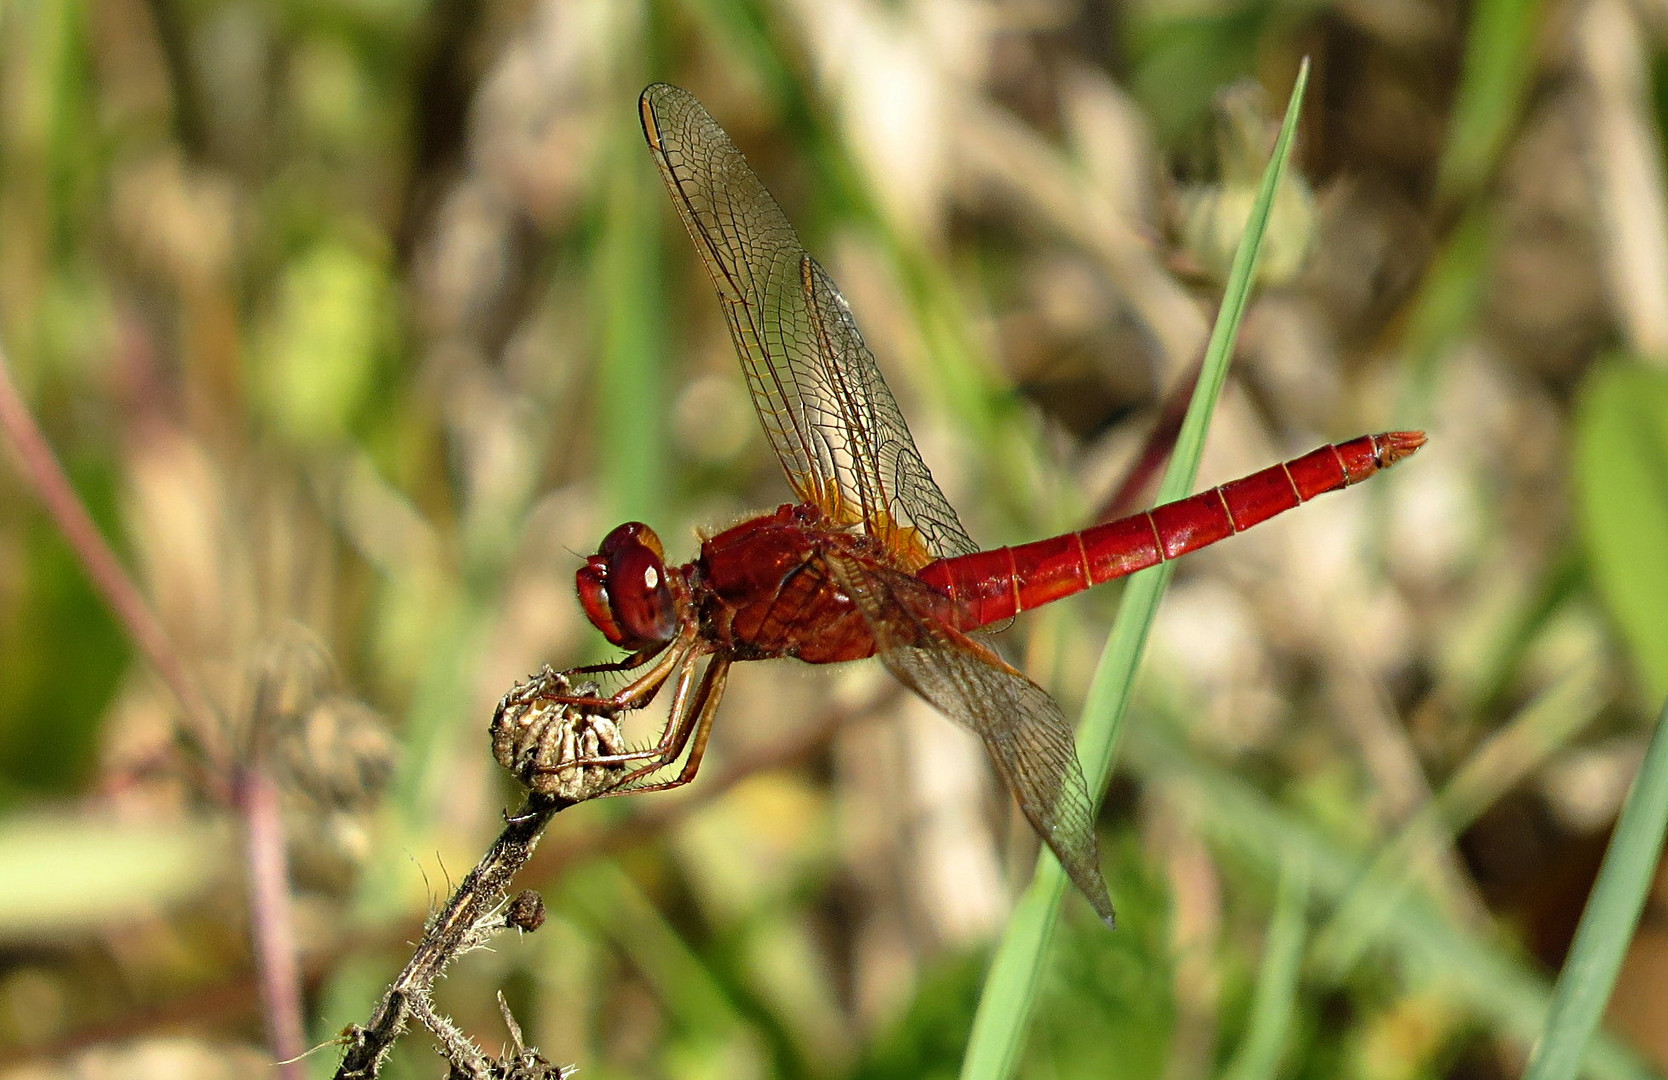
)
(626, 663)
(700, 725)
(686, 714)
(671, 737)
(641, 690)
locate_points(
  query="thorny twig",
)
(463, 924)
(525, 1058)
(470, 1062)
(474, 913)
(251, 792)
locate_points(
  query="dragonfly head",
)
(625, 591)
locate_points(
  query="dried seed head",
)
(538, 738)
(525, 911)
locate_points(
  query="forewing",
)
(753, 257)
(1023, 730)
(825, 408)
(877, 464)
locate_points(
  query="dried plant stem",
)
(466, 922)
(464, 1057)
(269, 898)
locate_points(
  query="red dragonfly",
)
(871, 560)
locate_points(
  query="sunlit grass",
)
(1607, 924)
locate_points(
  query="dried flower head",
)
(536, 738)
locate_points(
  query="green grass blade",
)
(1009, 997)
(1501, 763)
(1499, 63)
(1621, 474)
(606, 899)
(1428, 950)
(1607, 925)
(1274, 1003)
(630, 299)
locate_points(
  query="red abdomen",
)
(989, 586)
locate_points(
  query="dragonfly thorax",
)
(626, 591)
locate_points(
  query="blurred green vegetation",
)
(1621, 433)
(371, 319)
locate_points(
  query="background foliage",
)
(354, 322)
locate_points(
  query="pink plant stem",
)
(272, 923)
(1161, 440)
(270, 912)
(43, 472)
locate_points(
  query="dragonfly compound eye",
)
(592, 581)
(633, 534)
(624, 589)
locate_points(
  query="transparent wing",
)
(1023, 730)
(876, 463)
(825, 408)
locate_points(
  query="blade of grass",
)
(1607, 925)
(1009, 997)
(602, 897)
(630, 297)
(1431, 951)
(1524, 743)
(1499, 62)
(1273, 1004)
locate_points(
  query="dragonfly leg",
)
(698, 724)
(628, 663)
(656, 755)
(641, 690)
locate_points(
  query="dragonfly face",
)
(625, 590)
